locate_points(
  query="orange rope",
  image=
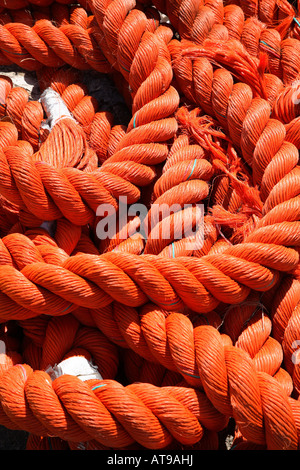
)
(181, 340)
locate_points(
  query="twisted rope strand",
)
(144, 403)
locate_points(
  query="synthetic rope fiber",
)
(155, 336)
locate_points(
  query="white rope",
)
(55, 108)
(78, 366)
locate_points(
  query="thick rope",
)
(203, 334)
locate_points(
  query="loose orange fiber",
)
(151, 340)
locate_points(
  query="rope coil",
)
(147, 339)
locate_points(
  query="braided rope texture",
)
(186, 337)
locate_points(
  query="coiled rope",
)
(144, 342)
